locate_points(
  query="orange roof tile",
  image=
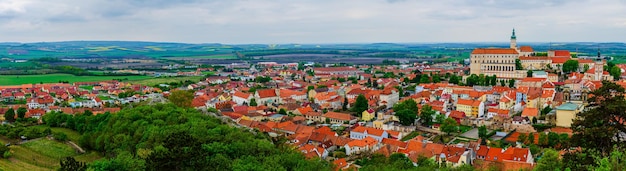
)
(559, 60)
(494, 51)
(371, 131)
(526, 49)
(266, 93)
(338, 116)
(394, 142)
(534, 112)
(241, 94)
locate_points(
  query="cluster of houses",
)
(40, 99)
(309, 106)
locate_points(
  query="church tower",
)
(513, 40)
(598, 67)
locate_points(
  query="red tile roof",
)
(562, 53)
(241, 94)
(494, 51)
(526, 49)
(560, 60)
(338, 116)
(534, 112)
(370, 131)
(265, 93)
(457, 114)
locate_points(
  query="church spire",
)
(513, 35)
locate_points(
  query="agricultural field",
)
(15, 65)
(164, 80)
(221, 56)
(55, 78)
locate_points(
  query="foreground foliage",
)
(166, 137)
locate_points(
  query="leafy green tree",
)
(406, 117)
(472, 80)
(531, 138)
(344, 106)
(60, 136)
(522, 138)
(482, 134)
(70, 164)
(616, 72)
(426, 115)
(613, 162)
(598, 127)
(529, 73)
(512, 83)
(494, 80)
(570, 66)
(409, 104)
(440, 118)
(546, 110)
(585, 67)
(21, 112)
(424, 80)
(9, 115)
(436, 79)
(4, 149)
(549, 161)
(253, 102)
(502, 83)
(361, 104)
(181, 98)
(543, 139)
(518, 65)
(282, 111)
(454, 79)
(449, 125)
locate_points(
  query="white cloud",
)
(311, 21)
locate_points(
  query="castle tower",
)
(513, 40)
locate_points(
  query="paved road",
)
(471, 134)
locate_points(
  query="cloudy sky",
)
(313, 21)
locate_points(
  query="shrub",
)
(60, 136)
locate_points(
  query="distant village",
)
(317, 107)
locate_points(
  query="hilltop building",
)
(502, 62)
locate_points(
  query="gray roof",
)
(567, 106)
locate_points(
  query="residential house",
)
(339, 118)
(242, 98)
(530, 112)
(361, 145)
(566, 113)
(266, 96)
(314, 116)
(368, 115)
(473, 108)
(363, 132)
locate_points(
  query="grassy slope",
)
(43, 154)
(71, 134)
(55, 78)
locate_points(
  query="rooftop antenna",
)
(550, 46)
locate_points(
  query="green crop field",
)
(221, 56)
(163, 80)
(14, 65)
(55, 78)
